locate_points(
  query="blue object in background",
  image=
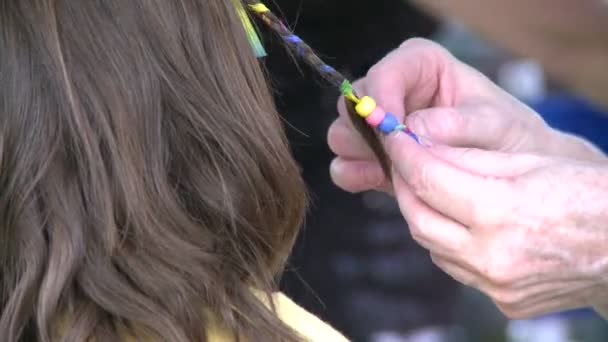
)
(575, 115)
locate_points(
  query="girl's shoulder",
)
(305, 323)
(309, 326)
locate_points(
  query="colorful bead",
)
(346, 87)
(327, 68)
(294, 39)
(388, 124)
(259, 8)
(365, 107)
(376, 117)
(301, 50)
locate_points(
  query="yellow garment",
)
(306, 324)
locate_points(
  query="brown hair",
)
(145, 177)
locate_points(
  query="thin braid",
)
(357, 107)
(297, 45)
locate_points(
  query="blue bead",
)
(388, 124)
(327, 68)
(301, 50)
(294, 39)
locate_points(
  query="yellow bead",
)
(259, 8)
(366, 106)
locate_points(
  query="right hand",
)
(444, 101)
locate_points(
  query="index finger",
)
(405, 80)
(411, 77)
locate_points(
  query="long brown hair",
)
(147, 186)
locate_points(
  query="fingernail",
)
(419, 129)
(408, 131)
(394, 139)
(422, 140)
(395, 134)
(336, 166)
(414, 136)
(418, 124)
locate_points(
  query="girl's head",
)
(146, 183)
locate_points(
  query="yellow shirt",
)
(307, 325)
(303, 322)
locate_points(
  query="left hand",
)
(529, 231)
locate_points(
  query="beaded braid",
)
(365, 107)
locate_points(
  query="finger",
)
(462, 126)
(557, 304)
(411, 77)
(523, 299)
(433, 231)
(458, 272)
(346, 142)
(459, 194)
(357, 176)
(552, 299)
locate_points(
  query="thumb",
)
(487, 163)
(471, 126)
(440, 184)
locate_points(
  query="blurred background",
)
(355, 264)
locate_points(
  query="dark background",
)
(355, 264)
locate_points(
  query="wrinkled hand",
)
(529, 231)
(446, 102)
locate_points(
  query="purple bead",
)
(294, 39)
(388, 124)
(327, 68)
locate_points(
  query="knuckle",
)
(419, 180)
(477, 215)
(499, 273)
(337, 136)
(356, 176)
(507, 298)
(421, 43)
(371, 175)
(377, 71)
(457, 273)
(417, 231)
(338, 175)
(417, 223)
(425, 48)
(448, 123)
